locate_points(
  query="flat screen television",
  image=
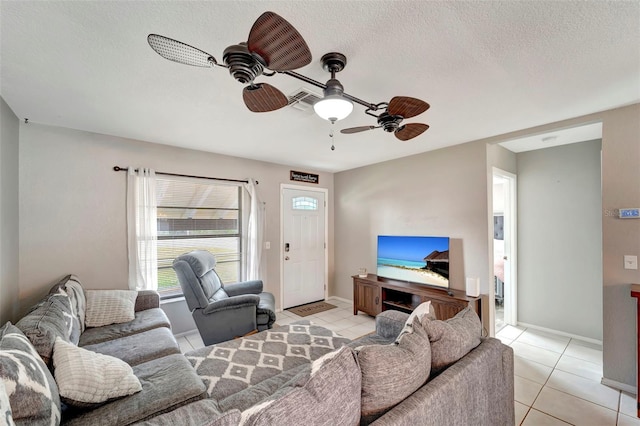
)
(423, 260)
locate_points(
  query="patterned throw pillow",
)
(424, 309)
(106, 307)
(390, 373)
(327, 393)
(454, 338)
(6, 418)
(32, 392)
(86, 378)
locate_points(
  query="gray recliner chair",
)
(222, 312)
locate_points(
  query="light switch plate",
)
(630, 262)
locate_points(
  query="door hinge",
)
(325, 245)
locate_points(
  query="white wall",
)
(439, 193)
(9, 237)
(560, 239)
(72, 204)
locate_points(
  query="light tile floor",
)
(557, 382)
(557, 379)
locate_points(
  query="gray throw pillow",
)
(327, 393)
(390, 373)
(49, 319)
(33, 394)
(453, 338)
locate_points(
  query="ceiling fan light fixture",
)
(333, 106)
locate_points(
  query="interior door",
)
(303, 246)
(504, 245)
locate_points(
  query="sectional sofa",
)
(298, 373)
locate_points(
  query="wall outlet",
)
(267, 245)
(630, 262)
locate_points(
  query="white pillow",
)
(106, 307)
(87, 378)
(419, 312)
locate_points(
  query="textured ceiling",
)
(486, 68)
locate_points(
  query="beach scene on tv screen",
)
(422, 260)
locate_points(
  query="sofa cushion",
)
(49, 319)
(32, 391)
(105, 307)
(143, 321)
(392, 372)
(203, 413)
(140, 347)
(86, 378)
(453, 338)
(254, 394)
(167, 383)
(328, 392)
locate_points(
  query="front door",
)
(303, 246)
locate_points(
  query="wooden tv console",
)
(374, 294)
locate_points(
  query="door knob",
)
(286, 258)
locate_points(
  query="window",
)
(198, 214)
(304, 203)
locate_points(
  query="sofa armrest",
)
(246, 287)
(389, 324)
(232, 303)
(147, 299)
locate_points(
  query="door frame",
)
(325, 191)
(511, 209)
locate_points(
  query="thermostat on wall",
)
(629, 213)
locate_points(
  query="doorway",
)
(303, 245)
(504, 248)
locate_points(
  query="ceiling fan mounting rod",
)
(323, 86)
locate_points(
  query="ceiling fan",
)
(275, 46)
(399, 108)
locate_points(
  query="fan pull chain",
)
(333, 122)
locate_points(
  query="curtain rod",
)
(124, 169)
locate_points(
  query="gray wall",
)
(440, 193)
(72, 204)
(9, 237)
(620, 188)
(560, 239)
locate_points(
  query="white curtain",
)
(255, 234)
(142, 229)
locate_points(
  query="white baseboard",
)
(340, 299)
(561, 333)
(620, 386)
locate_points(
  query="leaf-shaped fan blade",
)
(410, 131)
(177, 51)
(406, 107)
(278, 43)
(356, 129)
(263, 97)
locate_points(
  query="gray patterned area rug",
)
(231, 367)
